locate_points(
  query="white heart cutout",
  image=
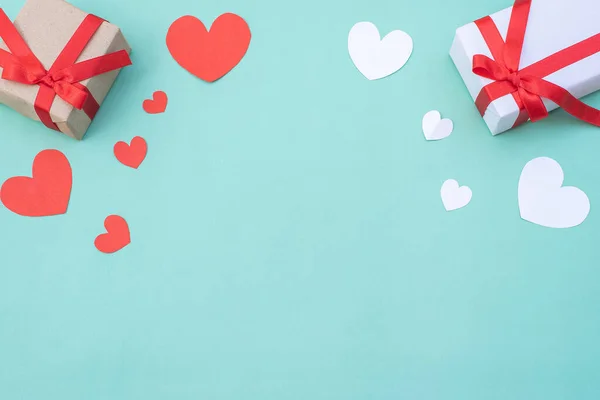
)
(454, 196)
(374, 57)
(436, 128)
(544, 201)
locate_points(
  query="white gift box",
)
(553, 26)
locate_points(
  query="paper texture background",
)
(289, 241)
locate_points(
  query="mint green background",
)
(289, 241)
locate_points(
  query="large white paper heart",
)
(436, 128)
(374, 57)
(544, 201)
(455, 196)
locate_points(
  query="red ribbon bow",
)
(62, 79)
(527, 85)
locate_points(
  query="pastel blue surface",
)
(288, 237)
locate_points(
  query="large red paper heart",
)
(132, 154)
(209, 54)
(158, 104)
(46, 193)
(116, 237)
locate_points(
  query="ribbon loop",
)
(71, 93)
(488, 68)
(15, 70)
(517, 85)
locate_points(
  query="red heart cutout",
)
(209, 54)
(158, 104)
(131, 155)
(116, 237)
(46, 193)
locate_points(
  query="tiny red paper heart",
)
(132, 154)
(46, 193)
(158, 104)
(116, 237)
(209, 54)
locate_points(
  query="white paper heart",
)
(455, 196)
(374, 57)
(436, 128)
(544, 201)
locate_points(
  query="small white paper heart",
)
(455, 196)
(544, 201)
(374, 57)
(436, 128)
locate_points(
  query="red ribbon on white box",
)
(528, 85)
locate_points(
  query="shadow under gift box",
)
(553, 25)
(47, 26)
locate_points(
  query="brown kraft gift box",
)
(46, 27)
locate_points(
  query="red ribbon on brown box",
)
(62, 79)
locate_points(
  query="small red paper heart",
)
(131, 155)
(158, 104)
(209, 54)
(116, 237)
(46, 193)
